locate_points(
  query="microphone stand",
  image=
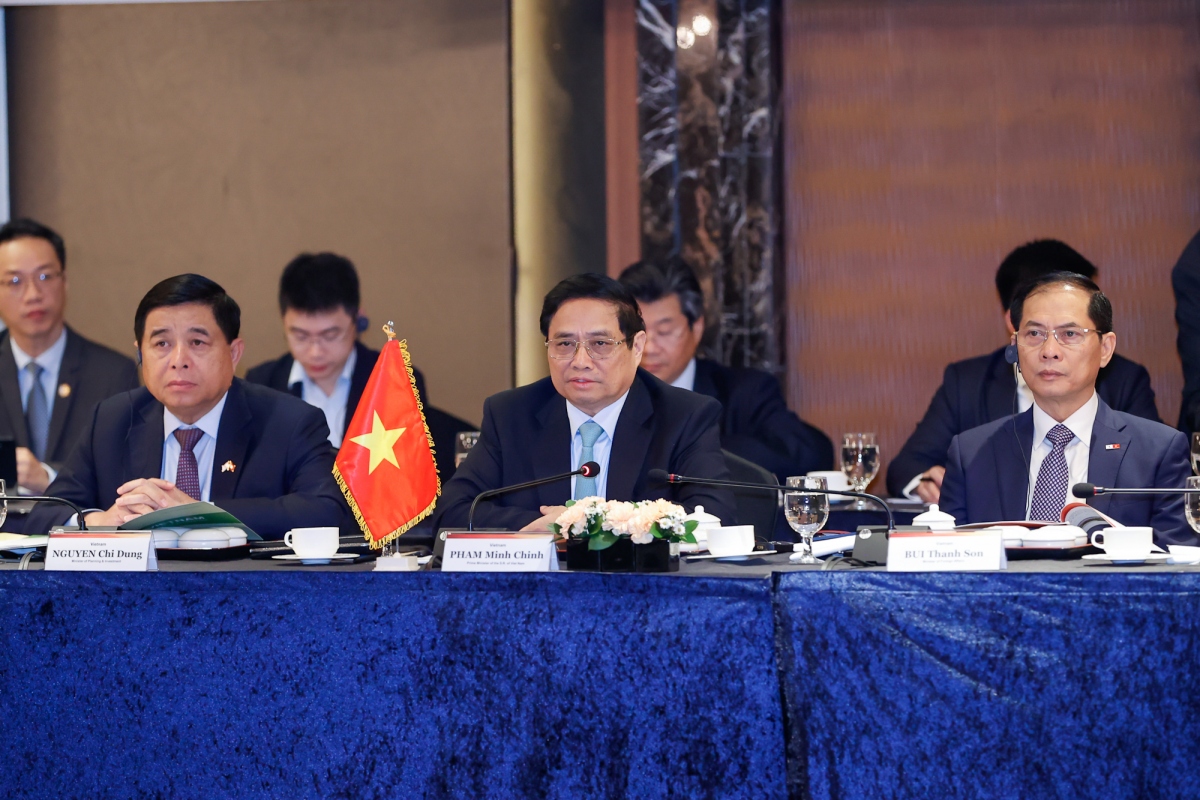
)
(588, 470)
(43, 499)
(1084, 490)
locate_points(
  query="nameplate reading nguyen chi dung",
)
(101, 551)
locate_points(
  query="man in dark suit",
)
(46, 415)
(1185, 280)
(1022, 466)
(756, 423)
(197, 433)
(326, 365)
(986, 388)
(595, 406)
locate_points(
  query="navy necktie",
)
(1050, 491)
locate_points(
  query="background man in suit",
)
(50, 376)
(1185, 280)
(987, 388)
(595, 406)
(326, 365)
(197, 433)
(756, 423)
(1022, 466)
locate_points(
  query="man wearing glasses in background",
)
(51, 378)
(326, 365)
(595, 406)
(1023, 466)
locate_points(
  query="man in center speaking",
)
(597, 405)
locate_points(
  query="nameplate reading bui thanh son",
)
(499, 552)
(101, 551)
(948, 551)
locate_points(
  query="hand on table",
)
(931, 490)
(549, 515)
(30, 472)
(143, 495)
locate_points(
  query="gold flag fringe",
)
(341, 482)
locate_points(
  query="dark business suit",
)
(526, 435)
(756, 423)
(278, 445)
(987, 477)
(442, 426)
(982, 389)
(1185, 280)
(91, 371)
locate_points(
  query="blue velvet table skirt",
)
(992, 685)
(327, 684)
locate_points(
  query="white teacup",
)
(312, 542)
(1119, 543)
(835, 479)
(735, 540)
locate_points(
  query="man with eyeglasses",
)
(326, 365)
(51, 378)
(597, 405)
(756, 423)
(1022, 466)
(986, 388)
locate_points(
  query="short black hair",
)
(190, 288)
(1034, 259)
(315, 282)
(1099, 306)
(25, 228)
(592, 285)
(651, 281)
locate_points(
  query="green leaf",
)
(690, 526)
(570, 503)
(689, 538)
(602, 541)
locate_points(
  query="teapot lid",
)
(934, 516)
(703, 517)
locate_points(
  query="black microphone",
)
(39, 499)
(662, 476)
(1091, 490)
(589, 469)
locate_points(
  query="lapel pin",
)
(228, 466)
(1112, 447)
(64, 390)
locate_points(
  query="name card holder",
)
(946, 551)
(499, 552)
(101, 551)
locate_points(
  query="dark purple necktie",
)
(1050, 491)
(187, 474)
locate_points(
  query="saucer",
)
(311, 561)
(1149, 558)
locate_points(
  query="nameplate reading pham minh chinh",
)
(499, 552)
(101, 551)
(946, 551)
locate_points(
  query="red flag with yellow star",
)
(385, 467)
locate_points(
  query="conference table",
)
(752, 679)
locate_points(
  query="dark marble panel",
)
(658, 126)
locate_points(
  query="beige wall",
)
(224, 138)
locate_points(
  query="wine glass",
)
(806, 512)
(463, 443)
(860, 462)
(1196, 453)
(1191, 503)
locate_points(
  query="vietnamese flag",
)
(385, 467)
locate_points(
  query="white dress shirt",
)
(687, 378)
(333, 405)
(606, 418)
(204, 450)
(51, 362)
(1076, 452)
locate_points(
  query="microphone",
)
(4, 498)
(662, 476)
(1091, 490)
(589, 469)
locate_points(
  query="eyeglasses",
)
(1070, 336)
(328, 337)
(599, 349)
(16, 282)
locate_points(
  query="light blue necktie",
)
(589, 431)
(37, 412)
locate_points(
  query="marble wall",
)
(706, 147)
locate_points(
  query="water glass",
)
(1191, 503)
(806, 512)
(1196, 453)
(463, 443)
(860, 462)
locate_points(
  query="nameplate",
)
(505, 552)
(101, 551)
(957, 551)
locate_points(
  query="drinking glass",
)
(860, 462)
(806, 513)
(463, 443)
(1191, 503)
(1196, 453)
(3, 502)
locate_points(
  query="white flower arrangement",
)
(603, 522)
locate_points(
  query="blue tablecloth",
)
(364, 685)
(1012, 685)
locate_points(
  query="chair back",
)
(756, 508)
